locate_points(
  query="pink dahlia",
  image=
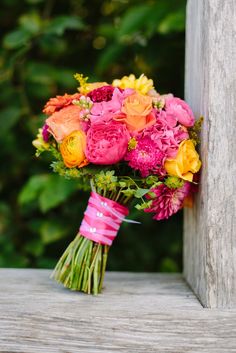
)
(166, 134)
(168, 201)
(180, 110)
(107, 143)
(101, 94)
(146, 158)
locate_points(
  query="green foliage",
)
(43, 43)
(48, 189)
(194, 132)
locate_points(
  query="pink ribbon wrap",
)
(102, 219)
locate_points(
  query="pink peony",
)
(180, 110)
(101, 94)
(146, 158)
(166, 135)
(168, 201)
(107, 143)
(62, 123)
(105, 111)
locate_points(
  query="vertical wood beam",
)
(210, 89)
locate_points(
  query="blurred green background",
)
(43, 43)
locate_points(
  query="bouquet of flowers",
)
(127, 143)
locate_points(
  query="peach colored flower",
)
(62, 123)
(137, 110)
(59, 102)
(72, 150)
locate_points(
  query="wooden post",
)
(210, 84)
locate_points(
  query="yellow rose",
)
(186, 163)
(72, 149)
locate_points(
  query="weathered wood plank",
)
(137, 313)
(210, 227)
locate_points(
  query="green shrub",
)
(44, 42)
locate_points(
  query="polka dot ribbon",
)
(102, 219)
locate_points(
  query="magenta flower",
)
(107, 143)
(167, 201)
(146, 158)
(45, 133)
(101, 94)
(180, 110)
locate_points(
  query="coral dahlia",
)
(59, 102)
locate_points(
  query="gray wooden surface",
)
(210, 227)
(136, 313)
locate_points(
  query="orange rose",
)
(138, 112)
(186, 163)
(72, 150)
(62, 123)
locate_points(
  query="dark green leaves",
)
(141, 192)
(44, 43)
(48, 190)
(8, 118)
(133, 20)
(60, 24)
(16, 39)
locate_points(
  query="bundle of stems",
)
(82, 266)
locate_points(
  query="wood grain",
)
(136, 313)
(210, 227)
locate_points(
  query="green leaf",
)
(34, 247)
(61, 23)
(128, 192)
(52, 231)
(169, 265)
(40, 73)
(109, 56)
(122, 184)
(143, 205)
(139, 193)
(32, 188)
(16, 39)
(151, 179)
(34, 1)
(107, 30)
(53, 46)
(8, 118)
(65, 78)
(174, 22)
(56, 191)
(31, 23)
(133, 19)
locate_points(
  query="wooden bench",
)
(136, 313)
(157, 312)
